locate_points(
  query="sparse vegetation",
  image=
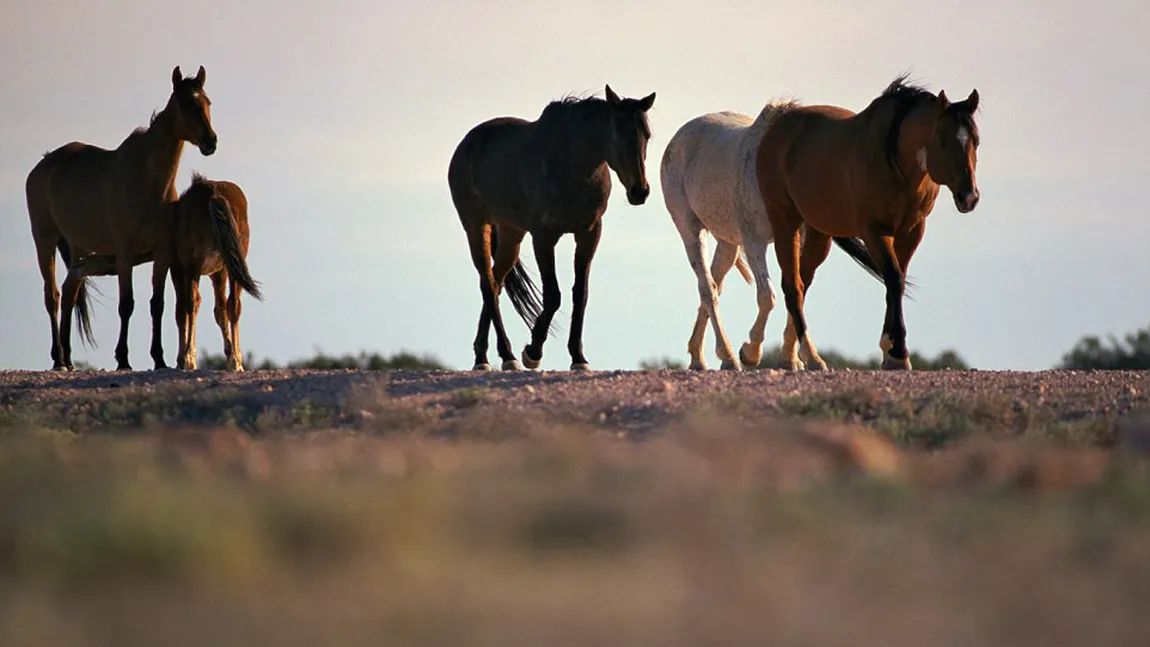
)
(401, 361)
(1130, 353)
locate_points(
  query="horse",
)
(873, 176)
(211, 238)
(709, 184)
(549, 177)
(205, 232)
(83, 199)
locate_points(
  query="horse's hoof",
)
(530, 362)
(816, 365)
(729, 365)
(580, 366)
(894, 364)
(512, 365)
(797, 365)
(697, 366)
(751, 354)
(482, 366)
(63, 368)
(124, 367)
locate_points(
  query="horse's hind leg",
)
(755, 247)
(724, 259)
(544, 247)
(788, 241)
(816, 246)
(46, 259)
(479, 244)
(694, 242)
(235, 308)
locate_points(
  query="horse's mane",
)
(198, 178)
(905, 95)
(572, 103)
(581, 106)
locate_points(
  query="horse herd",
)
(800, 176)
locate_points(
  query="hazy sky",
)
(338, 120)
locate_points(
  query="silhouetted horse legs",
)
(479, 243)
(544, 246)
(788, 239)
(694, 242)
(585, 245)
(816, 246)
(721, 263)
(894, 255)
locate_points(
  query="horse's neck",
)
(910, 176)
(154, 154)
(578, 147)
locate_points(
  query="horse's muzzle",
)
(966, 201)
(638, 196)
(208, 145)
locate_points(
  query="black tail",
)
(83, 309)
(524, 294)
(228, 244)
(856, 249)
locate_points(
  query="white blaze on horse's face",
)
(963, 136)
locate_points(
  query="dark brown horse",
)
(83, 199)
(549, 177)
(872, 175)
(204, 233)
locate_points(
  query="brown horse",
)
(872, 175)
(205, 232)
(210, 238)
(83, 199)
(549, 177)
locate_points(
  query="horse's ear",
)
(177, 76)
(647, 101)
(201, 76)
(972, 101)
(943, 102)
(612, 98)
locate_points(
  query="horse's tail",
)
(856, 249)
(83, 310)
(228, 244)
(524, 294)
(741, 265)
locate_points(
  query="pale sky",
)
(338, 119)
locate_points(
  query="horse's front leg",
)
(127, 306)
(893, 342)
(159, 278)
(585, 245)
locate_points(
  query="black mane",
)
(573, 104)
(905, 95)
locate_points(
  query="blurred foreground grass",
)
(326, 527)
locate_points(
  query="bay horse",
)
(204, 233)
(709, 185)
(549, 177)
(873, 175)
(83, 199)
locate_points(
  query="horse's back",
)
(487, 162)
(707, 171)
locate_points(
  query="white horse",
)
(709, 184)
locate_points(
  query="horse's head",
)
(627, 149)
(953, 152)
(193, 111)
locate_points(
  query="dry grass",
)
(381, 523)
